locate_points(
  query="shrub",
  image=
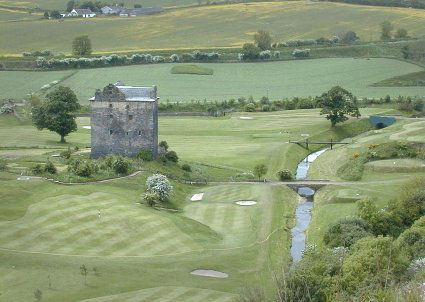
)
(172, 156)
(151, 199)
(174, 58)
(164, 146)
(37, 169)
(285, 174)
(145, 155)
(265, 108)
(66, 153)
(250, 51)
(83, 168)
(186, 168)
(413, 242)
(346, 232)
(121, 165)
(250, 107)
(158, 59)
(301, 53)
(160, 185)
(276, 54)
(3, 164)
(265, 54)
(49, 167)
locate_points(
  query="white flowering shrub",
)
(416, 266)
(240, 56)
(276, 54)
(158, 59)
(301, 53)
(265, 54)
(160, 185)
(174, 58)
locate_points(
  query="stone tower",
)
(124, 120)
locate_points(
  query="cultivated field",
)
(210, 26)
(231, 80)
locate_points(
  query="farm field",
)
(230, 80)
(209, 27)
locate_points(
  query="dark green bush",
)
(250, 107)
(145, 154)
(83, 168)
(285, 174)
(172, 156)
(3, 164)
(66, 153)
(346, 232)
(37, 169)
(121, 165)
(186, 168)
(49, 167)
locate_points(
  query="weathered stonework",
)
(124, 120)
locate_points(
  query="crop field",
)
(210, 26)
(230, 80)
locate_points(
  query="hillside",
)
(210, 26)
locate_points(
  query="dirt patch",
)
(209, 273)
(246, 202)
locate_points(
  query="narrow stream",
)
(303, 211)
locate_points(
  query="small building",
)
(124, 120)
(137, 12)
(111, 10)
(82, 12)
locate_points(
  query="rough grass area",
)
(191, 69)
(396, 165)
(209, 26)
(407, 80)
(231, 80)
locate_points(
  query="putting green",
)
(397, 165)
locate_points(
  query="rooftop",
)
(120, 92)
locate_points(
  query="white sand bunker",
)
(197, 197)
(209, 273)
(246, 202)
(245, 118)
(86, 127)
(24, 178)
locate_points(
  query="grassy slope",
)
(381, 179)
(233, 80)
(211, 26)
(410, 79)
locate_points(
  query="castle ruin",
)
(124, 120)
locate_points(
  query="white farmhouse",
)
(82, 12)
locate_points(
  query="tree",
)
(38, 295)
(137, 6)
(81, 46)
(250, 51)
(55, 14)
(160, 185)
(70, 5)
(56, 112)
(336, 104)
(386, 30)
(401, 33)
(260, 170)
(349, 37)
(46, 15)
(84, 272)
(263, 40)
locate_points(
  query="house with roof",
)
(137, 12)
(111, 10)
(124, 120)
(82, 12)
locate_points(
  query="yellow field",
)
(210, 26)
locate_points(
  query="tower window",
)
(127, 106)
(111, 116)
(140, 132)
(111, 131)
(110, 105)
(130, 117)
(126, 133)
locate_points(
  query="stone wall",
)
(123, 127)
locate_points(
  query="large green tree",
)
(81, 46)
(55, 113)
(337, 103)
(263, 40)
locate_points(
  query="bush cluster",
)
(200, 56)
(43, 53)
(301, 53)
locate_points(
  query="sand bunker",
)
(246, 202)
(24, 178)
(197, 197)
(246, 118)
(86, 127)
(209, 273)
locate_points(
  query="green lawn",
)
(231, 80)
(210, 26)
